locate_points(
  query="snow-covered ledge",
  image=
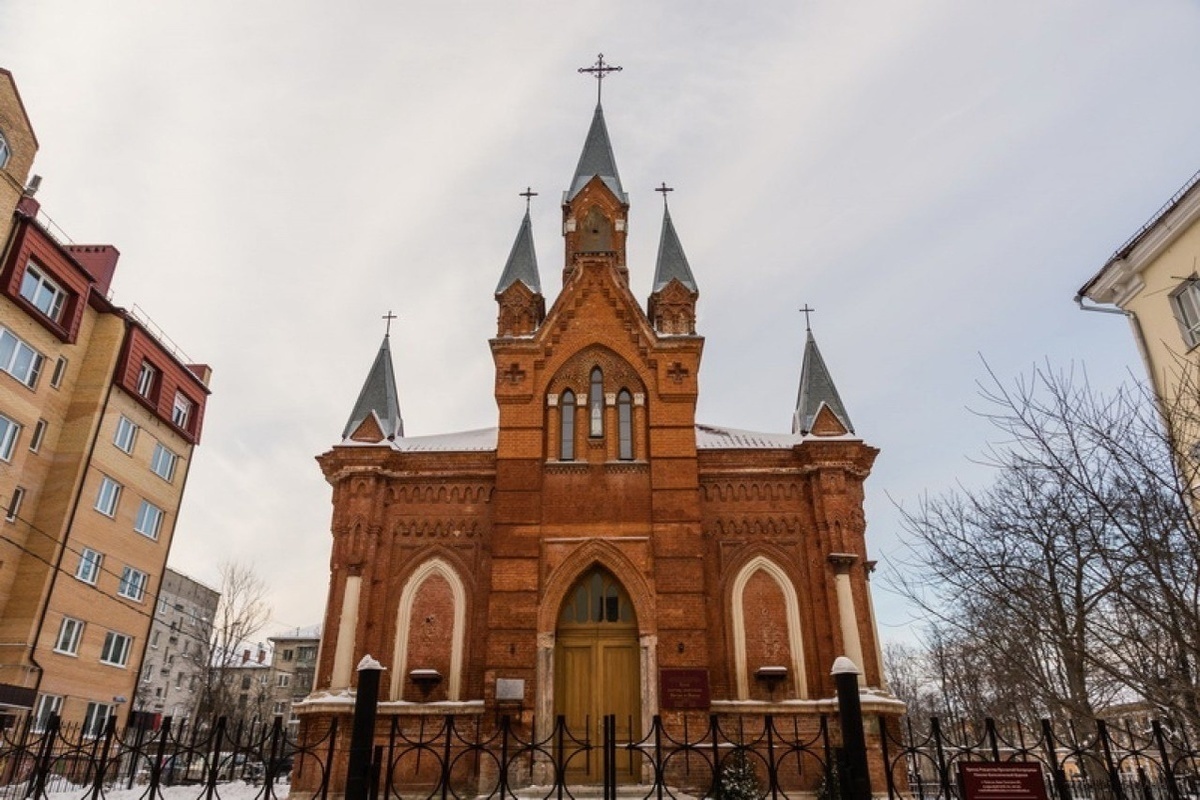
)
(872, 702)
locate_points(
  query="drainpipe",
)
(1138, 335)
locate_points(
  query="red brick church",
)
(599, 550)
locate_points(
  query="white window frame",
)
(1185, 304)
(284, 681)
(39, 433)
(19, 359)
(60, 369)
(5, 150)
(70, 632)
(133, 583)
(90, 563)
(47, 704)
(117, 647)
(95, 720)
(149, 520)
(125, 436)
(146, 379)
(43, 292)
(10, 431)
(108, 497)
(154, 640)
(181, 410)
(162, 463)
(14, 504)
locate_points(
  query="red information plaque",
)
(989, 780)
(683, 689)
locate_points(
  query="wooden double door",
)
(597, 673)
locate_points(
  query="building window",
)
(108, 497)
(163, 605)
(14, 505)
(163, 462)
(126, 434)
(9, 431)
(1185, 303)
(146, 380)
(306, 653)
(19, 359)
(566, 450)
(116, 649)
(5, 154)
(70, 631)
(149, 520)
(39, 432)
(133, 584)
(60, 369)
(288, 654)
(88, 570)
(625, 425)
(154, 639)
(45, 295)
(285, 680)
(181, 411)
(596, 404)
(280, 708)
(47, 704)
(96, 719)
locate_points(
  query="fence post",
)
(856, 783)
(362, 732)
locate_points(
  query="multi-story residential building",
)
(293, 665)
(98, 421)
(177, 651)
(247, 683)
(1153, 279)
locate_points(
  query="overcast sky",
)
(936, 178)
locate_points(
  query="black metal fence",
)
(686, 756)
(1084, 761)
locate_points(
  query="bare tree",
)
(1074, 572)
(241, 613)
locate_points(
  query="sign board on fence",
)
(683, 688)
(989, 780)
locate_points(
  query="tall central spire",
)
(597, 160)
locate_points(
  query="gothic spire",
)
(817, 390)
(377, 402)
(672, 263)
(597, 160)
(522, 261)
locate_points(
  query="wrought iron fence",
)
(1090, 760)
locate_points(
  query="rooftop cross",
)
(664, 189)
(528, 194)
(806, 311)
(389, 316)
(599, 71)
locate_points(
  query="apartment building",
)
(99, 418)
(177, 652)
(293, 667)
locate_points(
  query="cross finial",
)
(664, 189)
(806, 311)
(528, 194)
(599, 71)
(389, 316)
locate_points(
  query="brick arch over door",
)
(791, 618)
(607, 555)
(433, 568)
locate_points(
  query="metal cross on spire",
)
(599, 71)
(389, 316)
(806, 311)
(528, 194)
(664, 189)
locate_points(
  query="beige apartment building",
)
(178, 651)
(1154, 280)
(98, 421)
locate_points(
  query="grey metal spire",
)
(672, 263)
(816, 390)
(597, 159)
(522, 261)
(378, 397)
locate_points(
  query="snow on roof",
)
(310, 632)
(710, 437)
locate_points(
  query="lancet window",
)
(566, 448)
(596, 404)
(625, 425)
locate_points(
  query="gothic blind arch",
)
(433, 567)
(792, 619)
(566, 427)
(624, 425)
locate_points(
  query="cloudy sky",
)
(936, 178)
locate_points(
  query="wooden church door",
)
(596, 672)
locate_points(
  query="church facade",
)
(599, 551)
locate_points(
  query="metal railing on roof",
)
(1129, 244)
(139, 314)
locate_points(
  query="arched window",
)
(5, 150)
(625, 425)
(566, 447)
(597, 598)
(596, 404)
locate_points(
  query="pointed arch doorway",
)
(596, 669)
